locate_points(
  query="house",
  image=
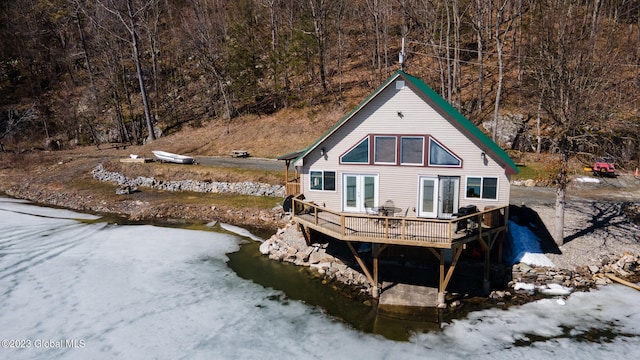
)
(404, 168)
(405, 146)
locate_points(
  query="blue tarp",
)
(523, 246)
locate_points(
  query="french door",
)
(359, 191)
(428, 197)
(438, 196)
(449, 190)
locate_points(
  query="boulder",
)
(265, 247)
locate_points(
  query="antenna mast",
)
(401, 56)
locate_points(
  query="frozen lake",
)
(73, 287)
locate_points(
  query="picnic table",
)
(239, 153)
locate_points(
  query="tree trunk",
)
(448, 57)
(143, 89)
(558, 231)
(94, 91)
(538, 128)
(457, 71)
(561, 192)
(319, 14)
(480, 40)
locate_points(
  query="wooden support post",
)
(501, 236)
(441, 301)
(457, 251)
(444, 279)
(376, 252)
(286, 177)
(486, 282)
(315, 215)
(435, 253)
(305, 233)
(364, 269)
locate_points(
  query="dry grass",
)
(263, 136)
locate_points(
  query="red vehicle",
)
(604, 166)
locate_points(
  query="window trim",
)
(421, 137)
(481, 197)
(445, 149)
(426, 151)
(395, 149)
(366, 138)
(323, 180)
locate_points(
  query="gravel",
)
(596, 226)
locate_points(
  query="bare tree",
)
(572, 84)
(480, 29)
(320, 13)
(206, 27)
(128, 18)
(502, 27)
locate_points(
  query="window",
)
(482, 188)
(359, 154)
(323, 180)
(385, 149)
(330, 180)
(400, 150)
(439, 156)
(411, 150)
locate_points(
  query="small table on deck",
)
(388, 210)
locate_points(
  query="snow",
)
(587, 179)
(556, 290)
(241, 232)
(141, 291)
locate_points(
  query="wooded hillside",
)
(562, 76)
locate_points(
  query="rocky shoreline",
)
(526, 282)
(51, 191)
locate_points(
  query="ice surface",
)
(141, 292)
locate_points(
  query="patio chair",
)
(402, 213)
(371, 211)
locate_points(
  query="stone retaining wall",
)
(551, 281)
(243, 188)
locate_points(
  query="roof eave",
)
(463, 124)
(346, 118)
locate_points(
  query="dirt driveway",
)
(622, 188)
(238, 162)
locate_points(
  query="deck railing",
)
(439, 233)
(292, 187)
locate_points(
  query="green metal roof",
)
(292, 155)
(444, 108)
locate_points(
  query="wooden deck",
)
(439, 236)
(433, 233)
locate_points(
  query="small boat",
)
(164, 156)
